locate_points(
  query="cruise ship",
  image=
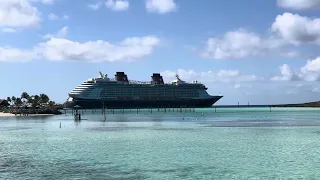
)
(119, 92)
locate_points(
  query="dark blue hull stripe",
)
(125, 104)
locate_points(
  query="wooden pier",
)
(78, 111)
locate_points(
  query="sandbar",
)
(12, 115)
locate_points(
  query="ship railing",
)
(149, 82)
(139, 82)
(144, 82)
(168, 83)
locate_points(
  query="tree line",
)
(33, 100)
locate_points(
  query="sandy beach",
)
(10, 115)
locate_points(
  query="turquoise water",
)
(231, 143)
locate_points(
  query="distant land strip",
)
(308, 104)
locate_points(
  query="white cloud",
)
(161, 6)
(309, 72)
(286, 74)
(296, 29)
(9, 54)
(47, 1)
(62, 33)
(290, 54)
(210, 76)
(58, 48)
(95, 6)
(8, 30)
(316, 90)
(238, 86)
(52, 16)
(117, 5)
(312, 66)
(18, 13)
(43, 1)
(287, 30)
(238, 44)
(65, 17)
(299, 4)
(234, 44)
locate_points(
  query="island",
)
(308, 104)
(28, 105)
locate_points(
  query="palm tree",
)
(18, 101)
(35, 101)
(30, 99)
(5, 103)
(9, 100)
(44, 99)
(25, 96)
(51, 103)
(13, 99)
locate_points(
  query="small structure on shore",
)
(77, 114)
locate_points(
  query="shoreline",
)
(18, 115)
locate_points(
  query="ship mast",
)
(177, 76)
(101, 75)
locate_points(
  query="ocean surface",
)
(221, 143)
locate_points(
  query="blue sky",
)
(260, 51)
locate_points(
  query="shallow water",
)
(231, 143)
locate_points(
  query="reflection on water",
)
(224, 145)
